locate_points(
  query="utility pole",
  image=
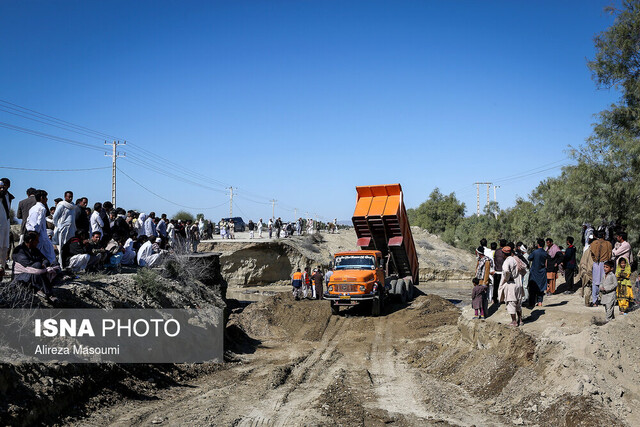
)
(495, 198)
(230, 202)
(114, 155)
(478, 184)
(273, 209)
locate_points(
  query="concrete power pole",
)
(495, 196)
(230, 202)
(478, 184)
(114, 155)
(273, 209)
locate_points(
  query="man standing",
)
(622, 249)
(5, 226)
(96, 220)
(569, 263)
(251, 226)
(510, 289)
(82, 219)
(260, 229)
(278, 226)
(161, 228)
(552, 265)
(150, 226)
(23, 210)
(37, 221)
(538, 274)
(317, 277)
(600, 253)
(64, 219)
(498, 259)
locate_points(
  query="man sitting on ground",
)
(146, 257)
(32, 268)
(79, 253)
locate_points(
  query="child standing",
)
(477, 296)
(624, 291)
(608, 289)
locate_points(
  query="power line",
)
(49, 136)
(167, 200)
(54, 170)
(51, 118)
(51, 124)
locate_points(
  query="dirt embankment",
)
(420, 364)
(33, 393)
(262, 262)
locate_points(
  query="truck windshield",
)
(357, 262)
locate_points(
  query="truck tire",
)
(335, 309)
(376, 306)
(401, 291)
(411, 291)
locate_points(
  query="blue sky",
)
(298, 101)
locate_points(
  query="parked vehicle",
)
(238, 223)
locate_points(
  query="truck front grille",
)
(345, 288)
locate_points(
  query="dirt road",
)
(423, 364)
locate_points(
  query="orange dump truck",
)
(387, 264)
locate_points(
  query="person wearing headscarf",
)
(510, 290)
(624, 292)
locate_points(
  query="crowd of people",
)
(70, 237)
(508, 273)
(309, 285)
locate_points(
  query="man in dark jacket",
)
(82, 220)
(23, 208)
(317, 278)
(32, 268)
(569, 263)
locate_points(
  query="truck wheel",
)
(401, 291)
(376, 307)
(411, 291)
(335, 309)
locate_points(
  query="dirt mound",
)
(257, 262)
(33, 393)
(282, 317)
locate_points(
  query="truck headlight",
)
(361, 287)
(330, 288)
(375, 288)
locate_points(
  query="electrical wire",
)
(180, 173)
(49, 136)
(55, 170)
(35, 113)
(164, 198)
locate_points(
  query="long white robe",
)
(150, 227)
(140, 223)
(129, 255)
(37, 221)
(146, 257)
(64, 219)
(96, 223)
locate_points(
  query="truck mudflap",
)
(348, 299)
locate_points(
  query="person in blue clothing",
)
(569, 263)
(538, 273)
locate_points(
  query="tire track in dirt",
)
(400, 389)
(285, 405)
